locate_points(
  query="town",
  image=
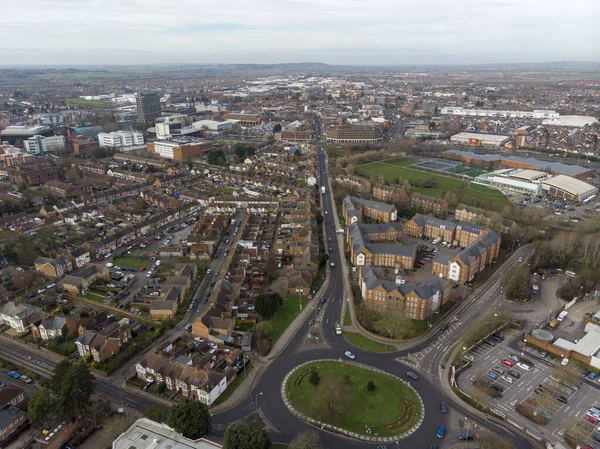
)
(370, 259)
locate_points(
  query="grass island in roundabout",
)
(356, 399)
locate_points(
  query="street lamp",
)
(467, 428)
(299, 291)
(256, 401)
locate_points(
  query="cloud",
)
(333, 31)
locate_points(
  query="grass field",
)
(362, 342)
(391, 171)
(374, 409)
(94, 296)
(84, 102)
(285, 315)
(131, 262)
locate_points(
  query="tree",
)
(264, 346)
(39, 408)
(157, 413)
(370, 386)
(331, 398)
(216, 157)
(263, 330)
(73, 384)
(240, 435)
(190, 418)
(314, 378)
(306, 440)
(516, 283)
(277, 128)
(266, 304)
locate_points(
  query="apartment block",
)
(355, 208)
(364, 252)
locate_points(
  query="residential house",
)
(58, 326)
(354, 209)
(163, 309)
(12, 395)
(11, 418)
(19, 316)
(214, 324)
(55, 268)
(106, 343)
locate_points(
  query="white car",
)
(508, 379)
(523, 366)
(208, 271)
(51, 285)
(41, 290)
(349, 355)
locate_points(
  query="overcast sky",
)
(268, 31)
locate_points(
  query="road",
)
(267, 400)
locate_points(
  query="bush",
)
(264, 346)
(371, 386)
(161, 387)
(314, 378)
(529, 413)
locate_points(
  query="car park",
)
(492, 374)
(498, 370)
(514, 358)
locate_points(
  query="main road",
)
(266, 395)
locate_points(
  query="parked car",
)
(492, 374)
(498, 370)
(543, 354)
(465, 437)
(498, 388)
(514, 374)
(514, 358)
(508, 363)
(561, 398)
(14, 374)
(592, 376)
(523, 366)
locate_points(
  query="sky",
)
(353, 32)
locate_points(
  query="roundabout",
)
(337, 396)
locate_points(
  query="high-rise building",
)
(148, 105)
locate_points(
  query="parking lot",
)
(537, 383)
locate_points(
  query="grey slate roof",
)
(469, 227)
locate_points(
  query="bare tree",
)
(331, 398)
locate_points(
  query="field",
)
(285, 315)
(362, 342)
(393, 170)
(388, 410)
(84, 102)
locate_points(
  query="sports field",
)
(392, 170)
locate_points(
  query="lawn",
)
(83, 101)
(131, 262)
(403, 162)
(391, 402)
(391, 171)
(232, 387)
(347, 316)
(65, 348)
(94, 296)
(285, 315)
(362, 342)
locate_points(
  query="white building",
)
(146, 434)
(214, 128)
(494, 140)
(120, 139)
(40, 144)
(536, 114)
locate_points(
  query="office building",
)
(148, 105)
(40, 144)
(145, 434)
(121, 139)
(181, 149)
(354, 134)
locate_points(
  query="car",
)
(592, 376)
(514, 358)
(514, 374)
(498, 388)
(444, 327)
(349, 355)
(523, 366)
(330, 249)
(323, 300)
(520, 259)
(508, 363)
(51, 285)
(508, 379)
(142, 269)
(441, 432)
(311, 322)
(412, 375)
(596, 437)
(492, 374)
(489, 342)
(443, 407)
(208, 270)
(465, 437)
(498, 370)
(495, 339)
(470, 358)
(561, 398)
(41, 290)
(434, 446)
(14, 374)
(543, 354)
(26, 379)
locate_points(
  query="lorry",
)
(322, 189)
(338, 329)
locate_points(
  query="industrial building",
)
(495, 161)
(536, 114)
(16, 134)
(148, 106)
(214, 128)
(533, 182)
(493, 140)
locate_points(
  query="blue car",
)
(441, 432)
(492, 375)
(592, 376)
(14, 374)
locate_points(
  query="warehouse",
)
(569, 188)
(480, 139)
(503, 180)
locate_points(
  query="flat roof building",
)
(354, 134)
(537, 113)
(180, 149)
(14, 134)
(569, 188)
(480, 139)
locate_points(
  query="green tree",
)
(277, 128)
(263, 330)
(39, 408)
(306, 440)
(314, 378)
(264, 346)
(266, 304)
(74, 390)
(216, 157)
(370, 386)
(240, 435)
(191, 418)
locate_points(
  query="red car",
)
(100, 259)
(143, 269)
(508, 363)
(591, 419)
